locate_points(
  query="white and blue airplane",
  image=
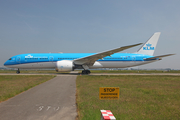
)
(86, 61)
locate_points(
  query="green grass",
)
(134, 71)
(31, 71)
(93, 71)
(12, 85)
(141, 97)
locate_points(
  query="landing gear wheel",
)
(86, 72)
(83, 72)
(18, 71)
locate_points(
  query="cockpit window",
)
(10, 58)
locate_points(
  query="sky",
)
(89, 26)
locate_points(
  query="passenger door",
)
(18, 59)
(51, 58)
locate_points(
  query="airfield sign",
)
(106, 93)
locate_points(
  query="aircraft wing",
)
(90, 60)
(160, 57)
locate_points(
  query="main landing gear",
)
(86, 72)
(18, 71)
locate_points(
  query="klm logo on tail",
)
(148, 47)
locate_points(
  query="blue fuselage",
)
(48, 60)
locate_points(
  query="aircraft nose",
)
(5, 64)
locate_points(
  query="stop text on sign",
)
(106, 93)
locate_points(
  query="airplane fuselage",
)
(49, 60)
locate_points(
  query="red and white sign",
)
(107, 115)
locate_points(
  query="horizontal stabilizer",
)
(159, 57)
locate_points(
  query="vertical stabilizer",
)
(149, 47)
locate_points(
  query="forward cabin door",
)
(18, 59)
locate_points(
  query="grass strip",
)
(14, 84)
(135, 71)
(141, 97)
(31, 71)
(94, 71)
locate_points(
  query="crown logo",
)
(28, 56)
(148, 44)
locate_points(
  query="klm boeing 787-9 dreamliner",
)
(86, 61)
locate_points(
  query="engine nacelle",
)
(64, 65)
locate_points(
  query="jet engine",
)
(64, 65)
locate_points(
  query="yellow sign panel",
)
(106, 93)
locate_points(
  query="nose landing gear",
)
(18, 71)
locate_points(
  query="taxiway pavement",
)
(52, 100)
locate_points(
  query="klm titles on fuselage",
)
(148, 47)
